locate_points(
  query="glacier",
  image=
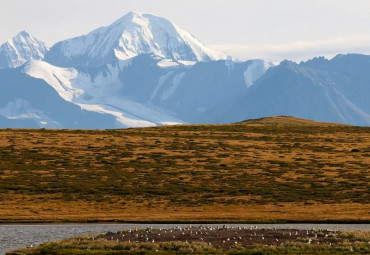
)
(143, 70)
(137, 100)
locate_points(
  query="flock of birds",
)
(221, 236)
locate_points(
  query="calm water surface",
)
(19, 236)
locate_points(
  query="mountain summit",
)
(132, 35)
(143, 70)
(20, 49)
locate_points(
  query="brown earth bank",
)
(267, 170)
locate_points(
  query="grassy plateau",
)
(266, 170)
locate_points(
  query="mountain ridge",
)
(20, 49)
(131, 35)
(143, 70)
(306, 91)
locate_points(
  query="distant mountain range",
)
(143, 70)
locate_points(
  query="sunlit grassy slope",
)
(270, 169)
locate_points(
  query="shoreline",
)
(27, 222)
(208, 240)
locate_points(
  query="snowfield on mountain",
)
(143, 70)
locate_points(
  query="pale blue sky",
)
(293, 29)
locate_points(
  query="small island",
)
(210, 240)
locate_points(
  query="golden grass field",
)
(266, 170)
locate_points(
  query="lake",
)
(18, 236)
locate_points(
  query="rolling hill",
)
(265, 170)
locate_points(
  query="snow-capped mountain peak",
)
(20, 49)
(132, 35)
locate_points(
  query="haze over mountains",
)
(143, 70)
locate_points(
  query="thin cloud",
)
(298, 51)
